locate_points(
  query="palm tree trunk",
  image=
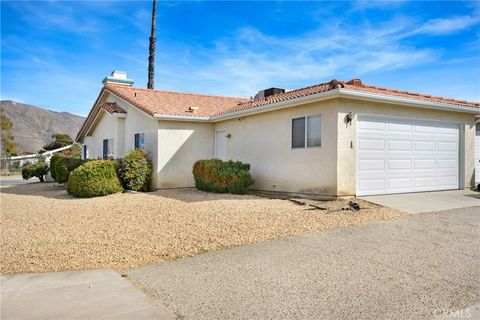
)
(151, 50)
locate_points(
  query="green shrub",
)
(220, 176)
(135, 171)
(38, 169)
(60, 167)
(93, 179)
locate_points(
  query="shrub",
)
(93, 179)
(60, 167)
(38, 169)
(135, 171)
(220, 176)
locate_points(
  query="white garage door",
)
(406, 155)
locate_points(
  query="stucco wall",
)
(106, 127)
(264, 141)
(180, 144)
(346, 166)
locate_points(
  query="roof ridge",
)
(174, 92)
(286, 92)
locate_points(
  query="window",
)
(85, 152)
(140, 141)
(307, 131)
(108, 148)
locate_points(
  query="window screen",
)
(314, 130)
(139, 141)
(85, 152)
(298, 133)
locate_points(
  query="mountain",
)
(34, 126)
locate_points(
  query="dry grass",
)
(44, 229)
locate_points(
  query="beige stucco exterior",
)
(180, 144)
(264, 141)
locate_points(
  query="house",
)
(335, 139)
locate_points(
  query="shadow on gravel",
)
(51, 190)
(192, 195)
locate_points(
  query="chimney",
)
(118, 77)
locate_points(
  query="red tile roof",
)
(200, 105)
(173, 103)
(112, 107)
(355, 84)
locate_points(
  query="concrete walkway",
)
(416, 267)
(428, 201)
(96, 294)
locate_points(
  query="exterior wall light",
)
(349, 118)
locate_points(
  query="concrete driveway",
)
(418, 267)
(428, 201)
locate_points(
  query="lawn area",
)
(45, 229)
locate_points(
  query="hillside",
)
(33, 126)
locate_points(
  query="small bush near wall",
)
(221, 177)
(38, 169)
(93, 179)
(60, 167)
(135, 171)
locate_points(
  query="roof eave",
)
(391, 99)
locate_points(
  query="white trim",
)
(167, 117)
(369, 96)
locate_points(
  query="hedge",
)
(135, 171)
(38, 169)
(93, 179)
(61, 166)
(221, 176)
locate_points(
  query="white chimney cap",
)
(119, 74)
(118, 77)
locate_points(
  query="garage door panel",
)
(447, 163)
(371, 144)
(400, 145)
(412, 155)
(400, 127)
(424, 163)
(450, 181)
(373, 124)
(424, 146)
(424, 127)
(397, 184)
(371, 164)
(399, 164)
(447, 146)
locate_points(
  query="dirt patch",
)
(44, 229)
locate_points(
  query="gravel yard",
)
(45, 229)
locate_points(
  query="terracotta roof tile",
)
(190, 104)
(112, 107)
(173, 103)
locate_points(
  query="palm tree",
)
(151, 50)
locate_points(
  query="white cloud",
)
(444, 26)
(250, 60)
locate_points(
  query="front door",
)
(221, 144)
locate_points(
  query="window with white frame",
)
(108, 148)
(307, 131)
(140, 141)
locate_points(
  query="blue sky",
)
(55, 53)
